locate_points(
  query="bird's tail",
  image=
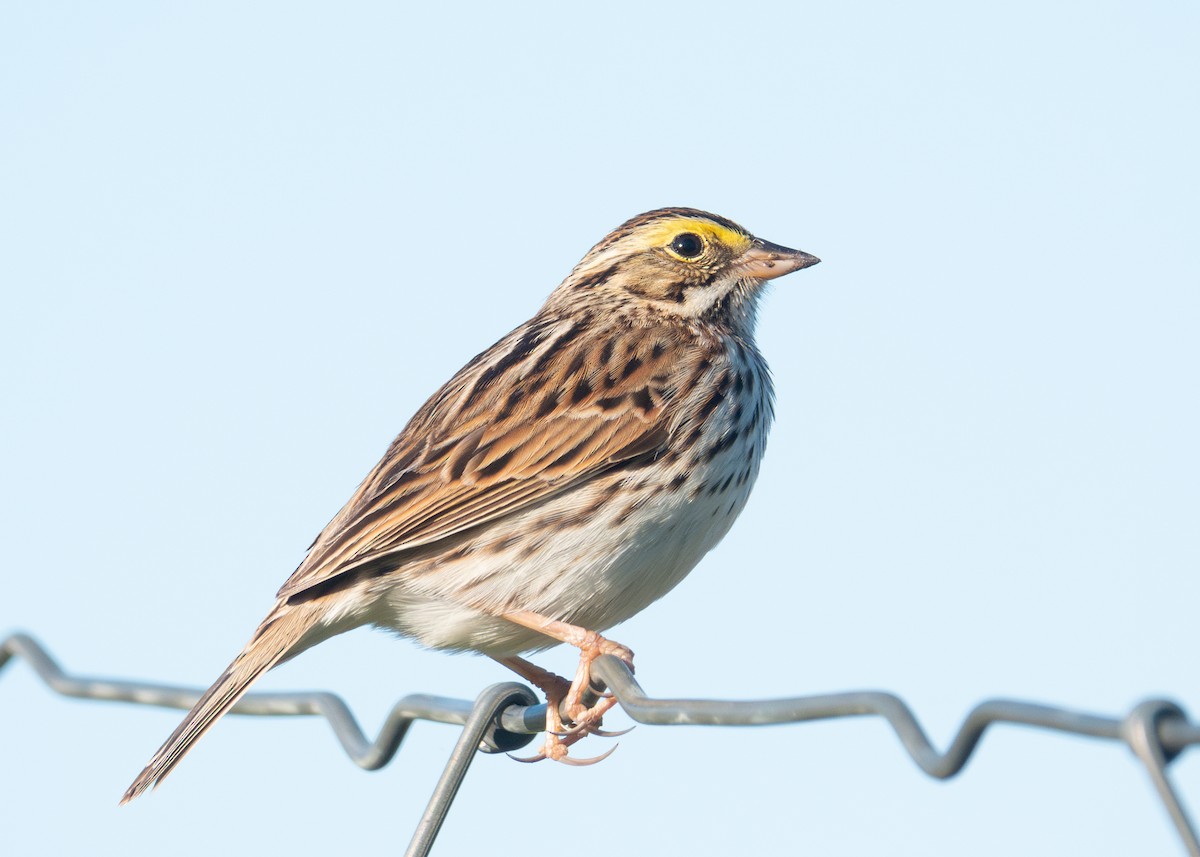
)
(274, 639)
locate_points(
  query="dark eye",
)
(688, 245)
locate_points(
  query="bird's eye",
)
(688, 245)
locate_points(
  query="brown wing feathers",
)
(597, 404)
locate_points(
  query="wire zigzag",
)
(367, 754)
(505, 717)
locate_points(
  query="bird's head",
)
(683, 262)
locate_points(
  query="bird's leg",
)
(586, 720)
(588, 642)
(553, 685)
(556, 689)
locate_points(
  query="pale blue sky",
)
(241, 243)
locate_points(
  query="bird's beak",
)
(766, 261)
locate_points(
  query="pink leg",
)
(556, 689)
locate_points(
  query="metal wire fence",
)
(506, 717)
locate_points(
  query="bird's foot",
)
(584, 719)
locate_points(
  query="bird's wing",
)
(543, 411)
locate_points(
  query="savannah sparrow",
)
(559, 483)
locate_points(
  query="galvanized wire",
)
(505, 717)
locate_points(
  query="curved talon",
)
(585, 728)
(528, 760)
(575, 732)
(579, 763)
(604, 733)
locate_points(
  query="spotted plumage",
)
(560, 482)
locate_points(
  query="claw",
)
(604, 733)
(576, 731)
(528, 760)
(579, 763)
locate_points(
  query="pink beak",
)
(766, 261)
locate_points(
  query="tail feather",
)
(274, 639)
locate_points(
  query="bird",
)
(563, 480)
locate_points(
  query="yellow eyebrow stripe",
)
(660, 234)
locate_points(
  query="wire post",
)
(484, 716)
(1143, 733)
